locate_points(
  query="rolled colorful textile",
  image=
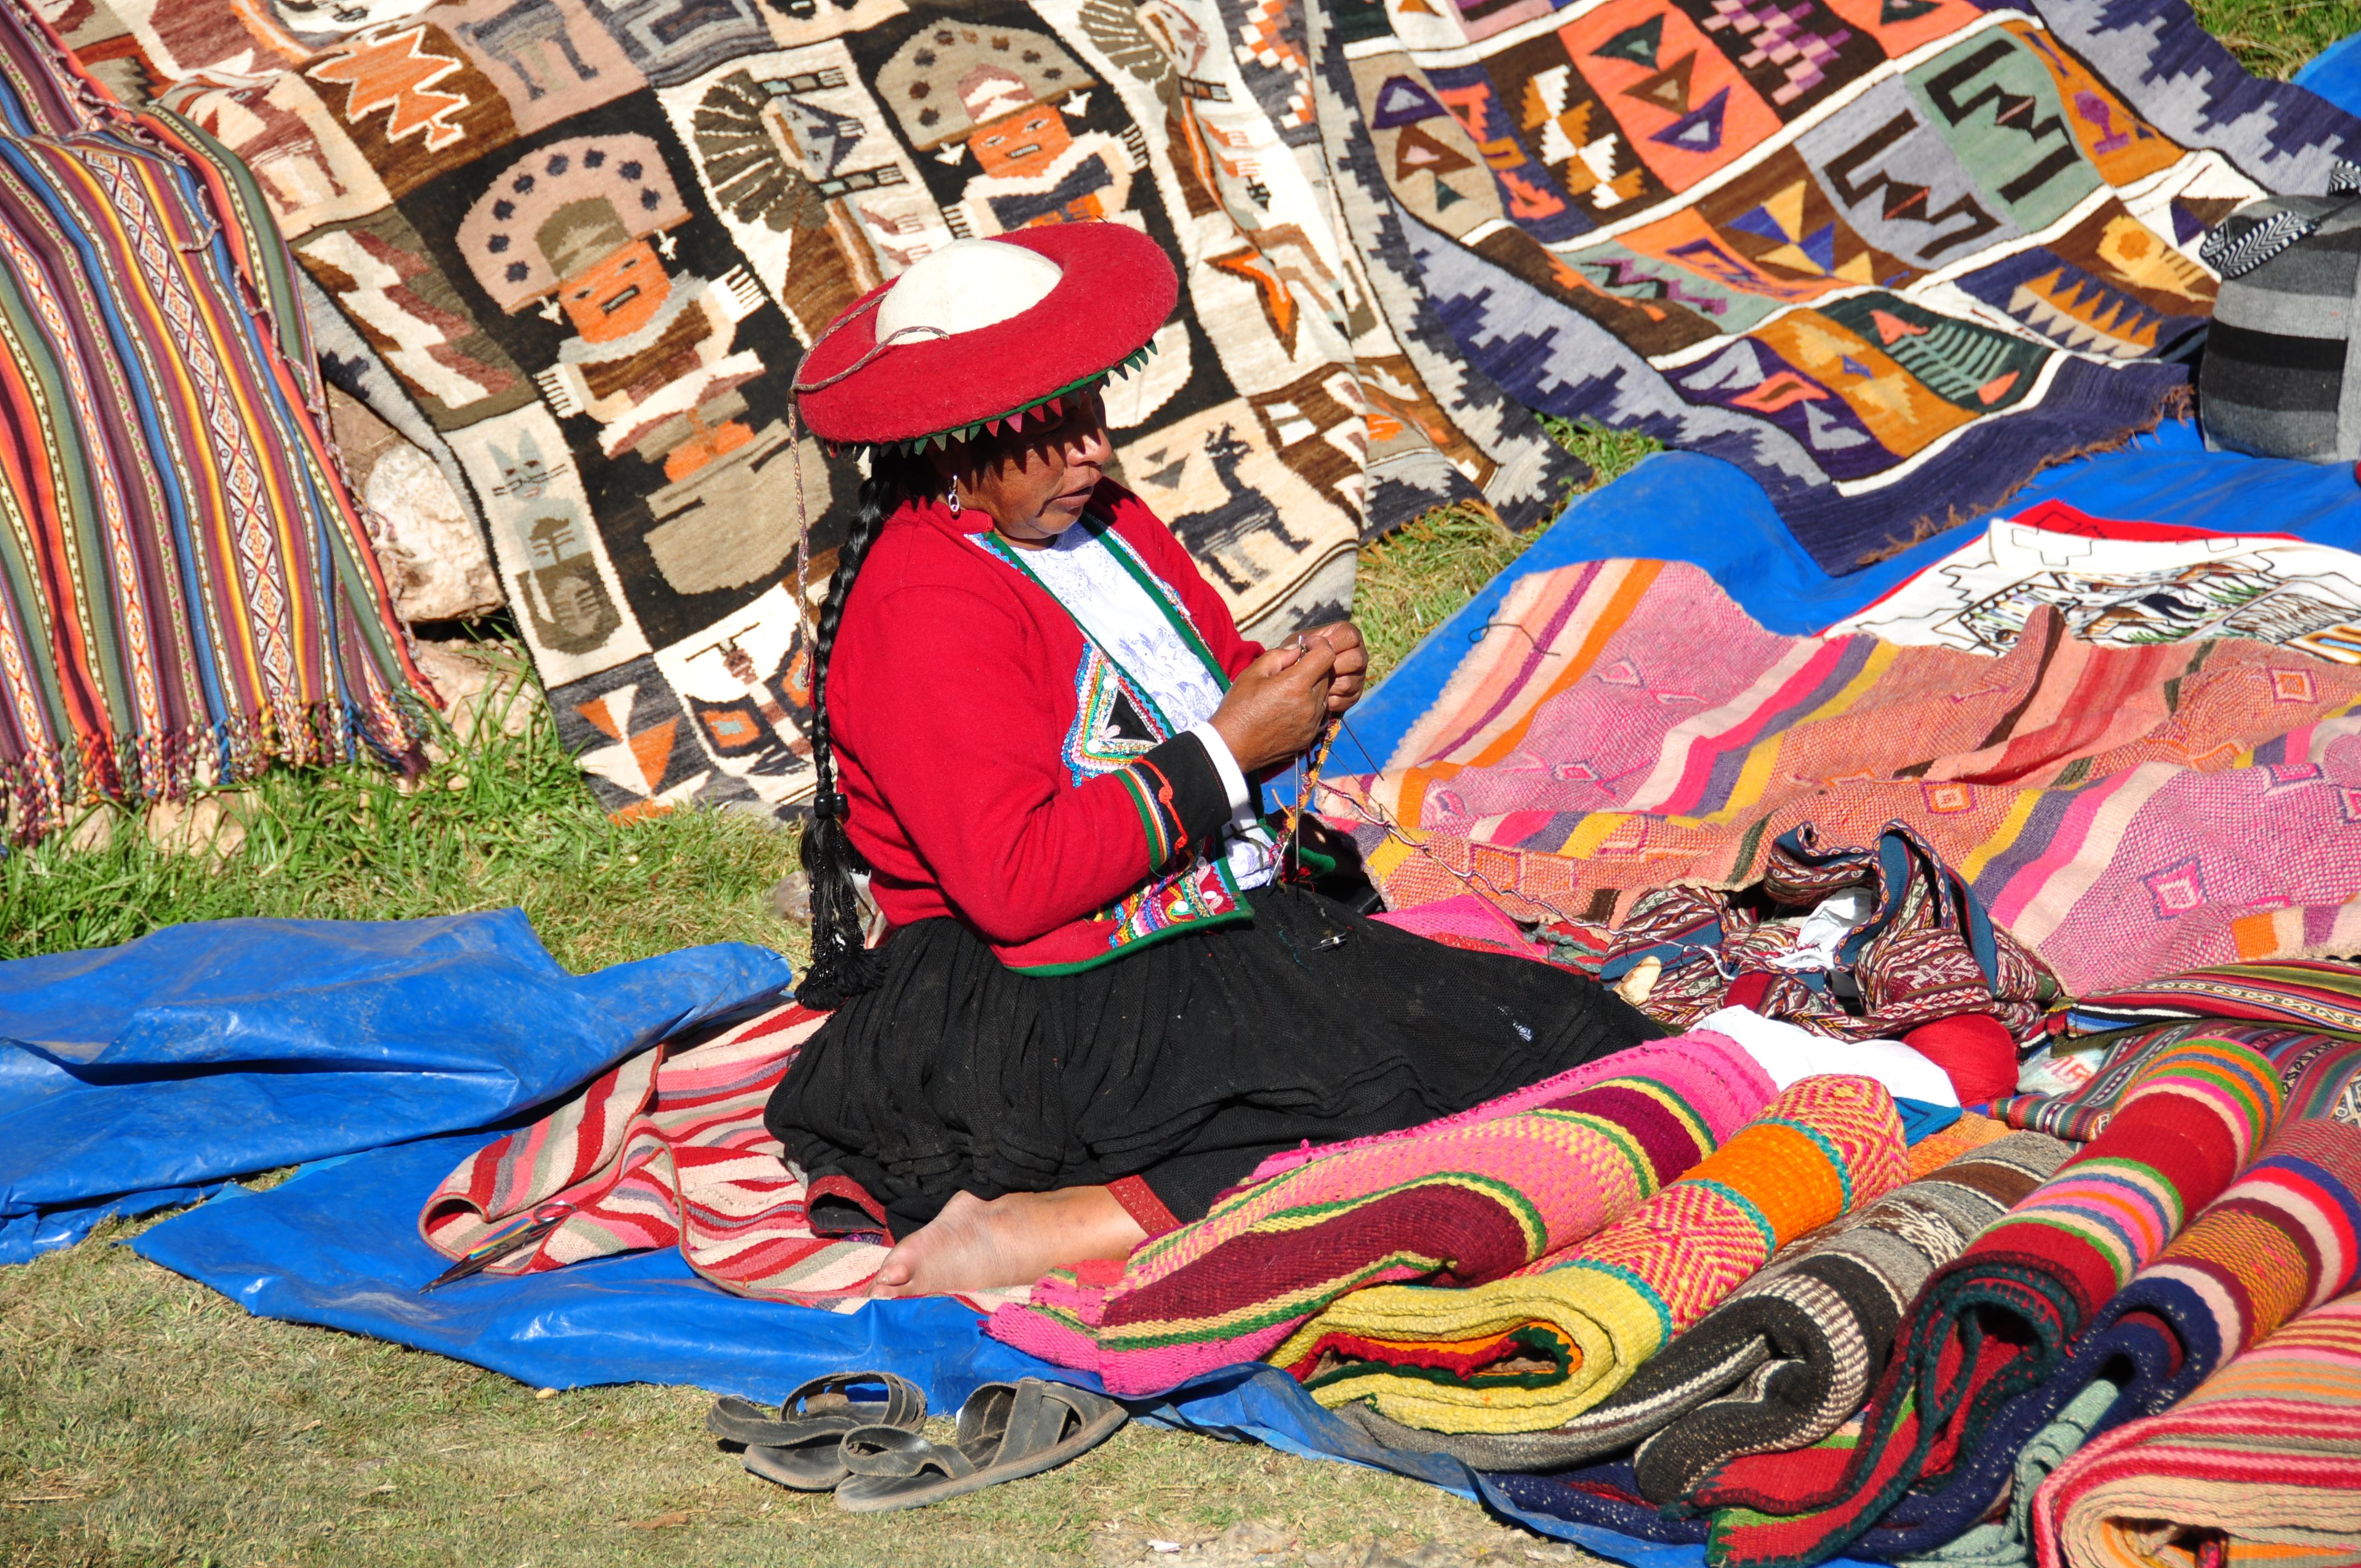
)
(2005, 1314)
(1465, 1199)
(1598, 1310)
(2284, 1238)
(1790, 1354)
(2260, 1466)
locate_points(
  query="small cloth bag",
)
(2281, 372)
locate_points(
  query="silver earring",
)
(952, 497)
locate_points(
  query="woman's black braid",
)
(843, 965)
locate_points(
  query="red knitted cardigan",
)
(1002, 770)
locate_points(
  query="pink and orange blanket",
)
(2123, 812)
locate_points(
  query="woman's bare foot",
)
(975, 1244)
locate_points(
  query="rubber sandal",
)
(797, 1446)
(1006, 1431)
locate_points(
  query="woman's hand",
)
(1275, 707)
(1349, 676)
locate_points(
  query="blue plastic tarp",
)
(338, 1245)
(2335, 72)
(1683, 507)
(137, 1077)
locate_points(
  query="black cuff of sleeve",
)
(1195, 803)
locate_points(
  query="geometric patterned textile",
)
(2005, 1315)
(2285, 1238)
(1925, 951)
(186, 593)
(2260, 1468)
(1460, 1200)
(666, 1149)
(2081, 1113)
(2122, 583)
(2309, 996)
(585, 243)
(1891, 257)
(1595, 1312)
(1635, 729)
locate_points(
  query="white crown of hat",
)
(968, 284)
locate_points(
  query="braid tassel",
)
(842, 963)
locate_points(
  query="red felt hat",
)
(1114, 288)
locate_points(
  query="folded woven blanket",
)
(1462, 1199)
(666, 1148)
(2317, 996)
(2280, 1241)
(2261, 1464)
(2321, 995)
(2005, 1314)
(1578, 1323)
(1636, 731)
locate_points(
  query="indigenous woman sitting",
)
(1040, 735)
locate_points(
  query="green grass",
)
(2273, 38)
(145, 1419)
(505, 820)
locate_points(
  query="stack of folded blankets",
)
(1682, 1295)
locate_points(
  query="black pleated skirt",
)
(1184, 1063)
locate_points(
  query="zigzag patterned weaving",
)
(1461, 1201)
(2193, 1119)
(1601, 1308)
(185, 592)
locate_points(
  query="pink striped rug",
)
(666, 1149)
(2125, 812)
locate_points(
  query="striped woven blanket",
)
(1461, 1201)
(185, 590)
(2323, 996)
(2281, 1241)
(2113, 1035)
(2004, 1316)
(2260, 1468)
(1583, 1319)
(666, 1149)
(1628, 726)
